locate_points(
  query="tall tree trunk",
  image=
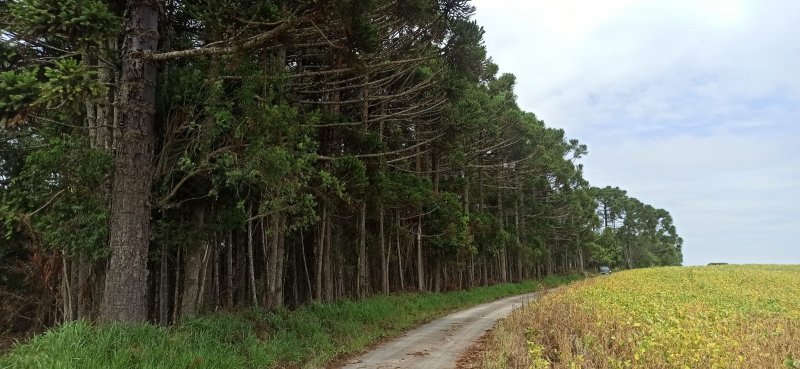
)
(435, 170)
(471, 279)
(305, 266)
(466, 192)
(504, 246)
(518, 234)
(384, 254)
(328, 267)
(242, 276)
(363, 278)
(177, 297)
(125, 293)
(250, 264)
(279, 269)
(204, 275)
(320, 252)
(420, 257)
(400, 270)
(229, 270)
(84, 287)
(163, 288)
(66, 289)
(216, 275)
(194, 260)
(485, 271)
(272, 265)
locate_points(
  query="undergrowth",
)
(309, 337)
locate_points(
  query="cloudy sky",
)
(690, 105)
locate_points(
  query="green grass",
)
(309, 337)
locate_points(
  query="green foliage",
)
(9, 56)
(487, 235)
(351, 177)
(309, 337)
(69, 84)
(634, 234)
(85, 22)
(61, 204)
(18, 91)
(323, 116)
(446, 225)
(363, 36)
(214, 16)
(62, 87)
(399, 189)
(606, 250)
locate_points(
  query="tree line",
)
(160, 159)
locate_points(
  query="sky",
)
(689, 105)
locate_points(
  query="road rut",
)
(438, 344)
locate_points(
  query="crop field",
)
(691, 317)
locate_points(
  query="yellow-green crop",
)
(698, 317)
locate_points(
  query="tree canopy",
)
(163, 158)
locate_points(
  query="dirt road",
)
(438, 344)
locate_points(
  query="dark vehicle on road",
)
(604, 270)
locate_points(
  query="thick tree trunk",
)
(125, 295)
(104, 114)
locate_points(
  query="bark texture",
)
(125, 293)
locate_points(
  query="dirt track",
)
(438, 344)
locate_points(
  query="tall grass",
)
(309, 337)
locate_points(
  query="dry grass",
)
(708, 317)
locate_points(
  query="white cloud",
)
(691, 105)
(720, 189)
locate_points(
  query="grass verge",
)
(309, 337)
(694, 317)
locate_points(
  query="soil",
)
(441, 343)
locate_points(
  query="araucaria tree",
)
(164, 158)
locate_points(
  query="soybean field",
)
(673, 317)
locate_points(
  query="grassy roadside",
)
(309, 337)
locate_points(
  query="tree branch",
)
(251, 43)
